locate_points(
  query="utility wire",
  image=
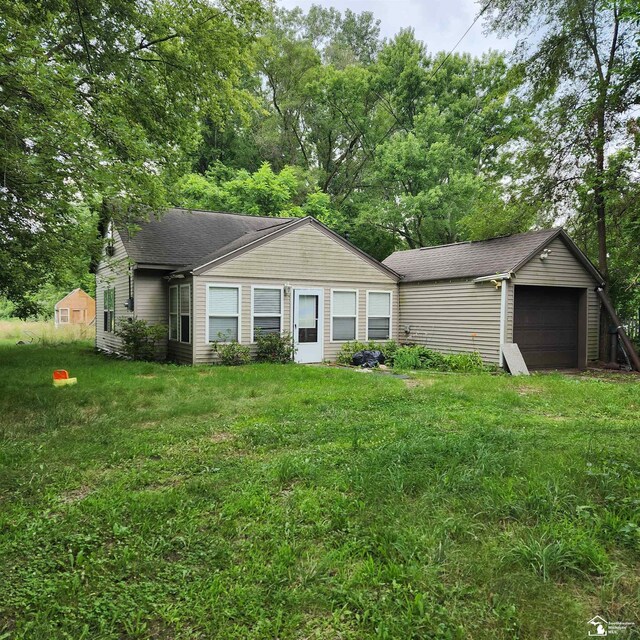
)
(464, 35)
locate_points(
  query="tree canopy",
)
(99, 102)
(116, 108)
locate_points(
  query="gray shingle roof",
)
(183, 237)
(468, 259)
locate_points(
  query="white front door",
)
(308, 325)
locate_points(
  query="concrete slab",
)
(514, 360)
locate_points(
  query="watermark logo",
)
(600, 628)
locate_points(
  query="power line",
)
(455, 46)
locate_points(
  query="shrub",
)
(273, 347)
(231, 353)
(465, 362)
(139, 338)
(419, 357)
(349, 348)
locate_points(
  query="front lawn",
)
(157, 501)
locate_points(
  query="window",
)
(378, 315)
(267, 310)
(180, 313)
(185, 313)
(223, 310)
(109, 310)
(64, 315)
(344, 315)
(173, 313)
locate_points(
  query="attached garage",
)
(536, 289)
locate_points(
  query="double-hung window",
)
(180, 313)
(223, 313)
(344, 315)
(267, 310)
(64, 316)
(185, 313)
(109, 310)
(174, 294)
(378, 315)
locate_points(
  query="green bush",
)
(231, 353)
(419, 357)
(273, 347)
(139, 338)
(347, 350)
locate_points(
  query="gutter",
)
(507, 275)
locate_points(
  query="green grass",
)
(157, 501)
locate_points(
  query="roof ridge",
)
(449, 244)
(226, 213)
(508, 235)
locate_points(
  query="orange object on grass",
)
(61, 378)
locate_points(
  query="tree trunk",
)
(601, 226)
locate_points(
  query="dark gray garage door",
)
(545, 326)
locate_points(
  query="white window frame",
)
(267, 315)
(224, 285)
(390, 294)
(177, 313)
(60, 310)
(109, 308)
(332, 315)
(186, 286)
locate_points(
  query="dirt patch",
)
(149, 424)
(528, 391)
(76, 495)
(221, 437)
(412, 383)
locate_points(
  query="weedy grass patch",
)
(159, 501)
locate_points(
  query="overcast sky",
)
(439, 24)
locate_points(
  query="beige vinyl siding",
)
(561, 269)
(306, 249)
(112, 272)
(303, 258)
(179, 351)
(452, 317)
(151, 302)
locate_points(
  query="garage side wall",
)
(560, 269)
(453, 317)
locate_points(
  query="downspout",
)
(194, 318)
(633, 356)
(501, 281)
(503, 317)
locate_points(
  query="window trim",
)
(332, 315)
(60, 310)
(266, 315)
(224, 285)
(390, 294)
(176, 314)
(109, 308)
(186, 285)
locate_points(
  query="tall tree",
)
(581, 62)
(444, 155)
(100, 100)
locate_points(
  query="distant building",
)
(77, 307)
